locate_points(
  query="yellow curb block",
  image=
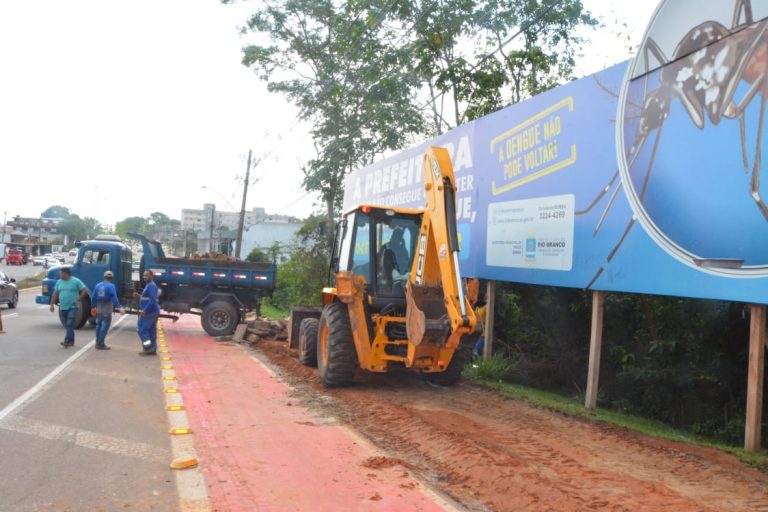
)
(165, 358)
(169, 377)
(164, 351)
(184, 463)
(171, 390)
(180, 431)
(167, 367)
(175, 408)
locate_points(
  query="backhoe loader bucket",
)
(426, 318)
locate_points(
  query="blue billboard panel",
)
(634, 180)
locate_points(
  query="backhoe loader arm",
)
(437, 309)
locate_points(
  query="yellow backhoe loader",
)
(399, 298)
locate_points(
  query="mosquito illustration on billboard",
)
(685, 104)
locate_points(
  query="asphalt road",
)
(20, 272)
(85, 432)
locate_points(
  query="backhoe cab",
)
(399, 298)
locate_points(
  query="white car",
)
(39, 260)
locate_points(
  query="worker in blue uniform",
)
(105, 301)
(149, 311)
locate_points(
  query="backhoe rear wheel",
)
(308, 341)
(336, 357)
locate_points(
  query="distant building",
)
(216, 230)
(264, 235)
(37, 235)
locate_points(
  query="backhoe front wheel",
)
(308, 341)
(336, 356)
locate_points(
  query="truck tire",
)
(308, 341)
(337, 356)
(219, 318)
(452, 374)
(14, 301)
(83, 313)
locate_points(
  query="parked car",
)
(73, 252)
(8, 292)
(39, 261)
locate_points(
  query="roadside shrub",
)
(495, 368)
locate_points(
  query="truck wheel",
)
(14, 301)
(308, 341)
(452, 374)
(219, 318)
(83, 313)
(337, 356)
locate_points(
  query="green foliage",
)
(494, 369)
(301, 279)
(131, 225)
(258, 256)
(56, 212)
(270, 311)
(77, 228)
(680, 361)
(335, 61)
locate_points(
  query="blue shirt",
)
(148, 302)
(105, 297)
(69, 292)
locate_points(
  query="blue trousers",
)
(67, 317)
(147, 329)
(102, 328)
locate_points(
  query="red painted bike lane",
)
(259, 450)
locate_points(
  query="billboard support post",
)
(490, 298)
(595, 346)
(757, 345)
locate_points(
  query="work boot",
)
(147, 352)
(103, 347)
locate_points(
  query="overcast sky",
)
(119, 108)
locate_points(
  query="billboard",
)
(644, 178)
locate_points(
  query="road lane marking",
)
(35, 391)
(84, 438)
(10, 315)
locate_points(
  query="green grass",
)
(31, 282)
(572, 407)
(270, 311)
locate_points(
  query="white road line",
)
(84, 438)
(10, 315)
(32, 393)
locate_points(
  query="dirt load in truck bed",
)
(505, 455)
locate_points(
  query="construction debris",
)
(261, 329)
(213, 256)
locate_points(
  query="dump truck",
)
(220, 292)
(398, 298)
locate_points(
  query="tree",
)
(477, 57)
(56, 212)
(257, 256)
(130, 224)
(74, 227)
(338, 63)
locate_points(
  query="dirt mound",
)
(505, 455)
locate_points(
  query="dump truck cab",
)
(398, 297)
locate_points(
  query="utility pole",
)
(241, 221)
